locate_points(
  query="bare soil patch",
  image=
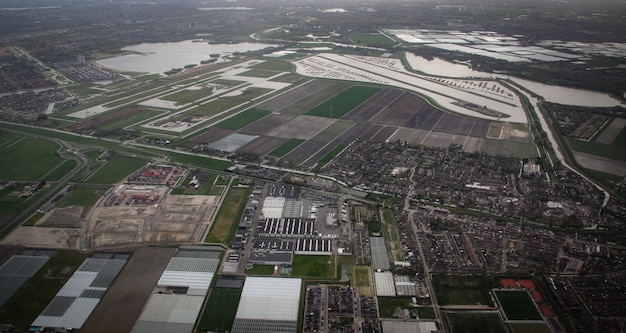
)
(132, 288)
(263, 145)
(211, 135)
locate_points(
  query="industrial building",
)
(268, 305)
(380, 261)
(80, 295)
(17, 270)
(180, 292)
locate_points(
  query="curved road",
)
(83, 161)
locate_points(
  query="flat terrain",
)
(132, 288)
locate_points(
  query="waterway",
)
(161, 57)
(551, 93)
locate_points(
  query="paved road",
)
(83, 161)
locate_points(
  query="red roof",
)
(528, 284)
(547, 311)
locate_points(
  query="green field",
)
(518, 305)
(30, 300)
(317, 267)
(473, 322)
(375, 39)
(132, 120)
(185, 96)
(60, 170)
(331, 154)
(83, 196)
(26, 158)
(260, 270)
(503, 148)
(388, 305)
(343, 102)
(286, 147)
(227, 219)
(242, 119)
(11, 203)
(461, 290)
(615, 152)
(116, 169)
(426, 312)
(220, 310)
(530, 328)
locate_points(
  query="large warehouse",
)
(268, 305)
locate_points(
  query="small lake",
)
(161, 57)
(551, 93)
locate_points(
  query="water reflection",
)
(161, 57)
(551, 93)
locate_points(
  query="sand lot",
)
(60, 238)
(177, 219)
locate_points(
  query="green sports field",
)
(517, 305)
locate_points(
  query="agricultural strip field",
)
(599, 149)
(343, 102)
(212, 135)
(227, 219)
(26, 158)
(612, 132)
(601, 164)
(116, 169)
(302, 127)
(436, 139)
(308, 89)
(620, 140)
(108, 117)
(517, 305)
(263, 145)
(303, 152)
(242, 119)
(473, 322)
(286, 147)
(331, 154)
(455, 124)
(409, 110)
(267, 124)
(221, 308)
(306, 104)
(409, 135)
(132, 287)
(333, 131)
(381, 100)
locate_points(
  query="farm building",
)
(181, 290)
(268, 305)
